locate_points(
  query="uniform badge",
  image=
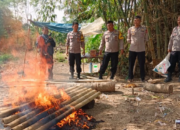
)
(133, 29)
(107, 38)
(132, 32)
(174, 34)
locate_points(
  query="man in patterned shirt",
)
(174, 50)
(112, 40)
(74, 43)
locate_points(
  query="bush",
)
(60, 57)
(5, 57)
(93, 42)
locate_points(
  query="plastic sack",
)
(162, 67)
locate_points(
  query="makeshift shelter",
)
(87, 29)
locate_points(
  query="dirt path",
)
(119, 110)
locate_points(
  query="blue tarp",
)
(58, 27)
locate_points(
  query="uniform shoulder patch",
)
(120, 35)
(82, 37)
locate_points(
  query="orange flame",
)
(74, 119)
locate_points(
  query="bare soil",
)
(119, 110)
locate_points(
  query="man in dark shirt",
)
(46, 44)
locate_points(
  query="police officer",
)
(74, 43)
(112, 40)
(46, 45)
(137, 37)
(174, 49)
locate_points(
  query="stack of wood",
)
(31, 117)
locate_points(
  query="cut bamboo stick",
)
(159, 88)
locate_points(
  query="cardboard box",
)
(93, 53)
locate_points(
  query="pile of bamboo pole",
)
(41, 119)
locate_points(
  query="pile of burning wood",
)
(47, 111)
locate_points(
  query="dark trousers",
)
(49, 60)
(47, 63)
(141, 59)
(174, 57)
(114, 62)
(72, 58)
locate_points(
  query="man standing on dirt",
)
(174, 50)
(137, 37)
(113, 42)
(74, 43)
(46, 46)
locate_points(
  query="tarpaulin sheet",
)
(93, 28)
(58, 27)
(87, 28)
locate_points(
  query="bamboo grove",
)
(159, 16)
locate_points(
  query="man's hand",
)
(122, 51)
(169, 50)
(67, 53)
(48, 44)
(100, 52)
(83, 53)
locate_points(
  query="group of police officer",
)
(112, 41)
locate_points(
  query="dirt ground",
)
(119, 110)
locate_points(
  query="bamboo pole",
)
(11, 118)
(149, 30)
(157, 31)
(123, 14)
(60, 117)
(103, 86)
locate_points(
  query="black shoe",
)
(142, 80)
(72, 76)
(179, 78)
(112, 76)
(168, 79)
(100, 76)
(78, 76)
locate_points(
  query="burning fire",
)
(48, 101)
(74, 119)
(45, 100)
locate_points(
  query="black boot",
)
(78, 76)
(179, 78)
(72, 75)
(169, 78)
(112, 76)
(100, 76)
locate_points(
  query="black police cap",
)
(137, 17)
(75, 22)
(109, 22)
